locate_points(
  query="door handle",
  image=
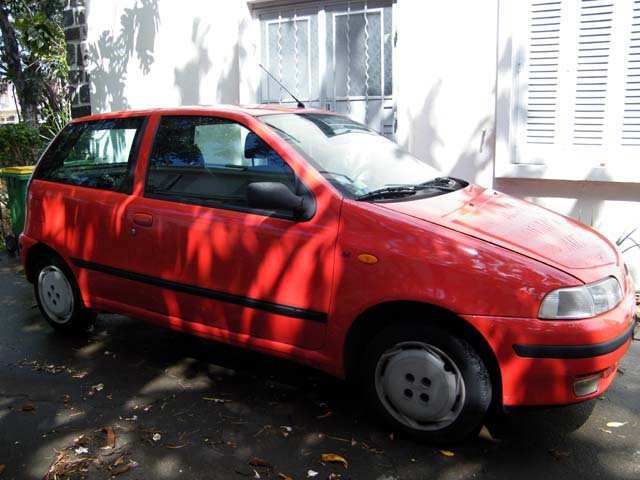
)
(143, 219)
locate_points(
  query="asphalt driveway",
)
(135, 401)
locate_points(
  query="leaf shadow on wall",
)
(108, 58)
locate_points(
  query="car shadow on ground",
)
(184, 406)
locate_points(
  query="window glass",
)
(354, 158)
(210, 161)
(98, 154)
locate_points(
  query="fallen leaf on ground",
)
(259, 462)
(334, 458)
(616, 424)
(120, 466)
(284, 476)
(371, 449)
(66, 467)
(559, 454)
(79, 374)
(605, 430)
(28, 407)
(2, 467)
(111, 438)
(311, 473)
(485, 434)
(447, 453)
(216, 400)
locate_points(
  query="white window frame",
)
(572, 163)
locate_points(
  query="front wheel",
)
(426, 382)
(58, 297)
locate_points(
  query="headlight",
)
(581, 302)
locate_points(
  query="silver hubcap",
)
(420, 386)
(56, 295)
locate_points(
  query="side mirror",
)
(276, 196)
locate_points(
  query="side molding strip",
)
(276, 308)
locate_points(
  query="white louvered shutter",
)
(578, 83)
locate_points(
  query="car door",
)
(83, 185)
(207, 261)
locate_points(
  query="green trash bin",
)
(16, 180)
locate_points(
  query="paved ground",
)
(174, 406)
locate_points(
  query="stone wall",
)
(75, 31)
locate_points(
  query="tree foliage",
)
(20, 144)
(33, 55)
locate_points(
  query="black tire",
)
(80, 317)
(473, 371)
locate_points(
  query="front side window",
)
(210, 161)
(357, 160)
(99, 154)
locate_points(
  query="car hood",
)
(517, 225)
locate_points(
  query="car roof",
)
(253, 110)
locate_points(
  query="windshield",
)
(355, 159)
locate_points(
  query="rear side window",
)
(210, 161)
(99, 154)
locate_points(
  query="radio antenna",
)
(300, 104)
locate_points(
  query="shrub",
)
(20, 144)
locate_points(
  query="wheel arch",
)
(35, 252)
(379, 316)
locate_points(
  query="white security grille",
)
(336, 56)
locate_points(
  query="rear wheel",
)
(426, 382)
(59, 298)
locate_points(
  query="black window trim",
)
(234, 208)
(132, 162)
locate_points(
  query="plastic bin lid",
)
(26, 170)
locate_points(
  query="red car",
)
(306, 235)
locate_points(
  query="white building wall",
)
(206, 52)
(445, 90)
(154, 53)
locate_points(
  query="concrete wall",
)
(145, 53)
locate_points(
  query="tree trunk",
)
(15, 73)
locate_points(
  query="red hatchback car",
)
(306, 235)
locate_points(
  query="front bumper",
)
(542, 361)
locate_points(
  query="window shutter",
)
(577, 87)
(594, 37)
(543, 49)
(630, 135)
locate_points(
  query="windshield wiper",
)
(388, 192)
(448, 184)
